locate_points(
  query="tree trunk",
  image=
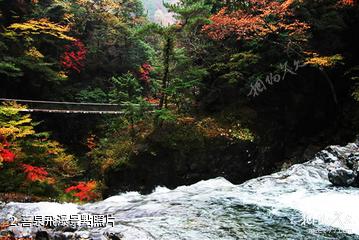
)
(166, 64)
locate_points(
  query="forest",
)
(234, 89)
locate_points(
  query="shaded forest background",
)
(238, 89)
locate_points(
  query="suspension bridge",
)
(71, 107)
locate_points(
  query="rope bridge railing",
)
(69, 107)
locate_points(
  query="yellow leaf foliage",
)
(324, 61)
(14, 128)
(62, 75)
(41, 26)
(66, 163)
(33, 52)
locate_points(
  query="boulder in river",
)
(342, 176)
(343, 164)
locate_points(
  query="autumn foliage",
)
(6, 155)
(348, 2)
(84, 191)
(35, 173)
(74, 56)
(150, 100)
(91, 142)
(35, 164)
(145, 71)
(43, 26)
(256, 18)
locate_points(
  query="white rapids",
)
(298, 203)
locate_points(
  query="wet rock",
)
(113, 236)
(65, 229)
(42, 235)
(326, 156)
(66, 236)
(343, 164)
(342, 177)
(352, 160)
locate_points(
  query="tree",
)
(179, 47)
(127, 91)
(24, 55)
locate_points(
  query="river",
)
(297, 203)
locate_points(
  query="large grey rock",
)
(342, 177)
(343, 164)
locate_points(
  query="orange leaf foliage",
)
(152, 100)
(253, 21)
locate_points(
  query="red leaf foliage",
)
(35, 173)
(85, 191)
(74, 56)
(348, 2)
(5, 154)
(145, 71)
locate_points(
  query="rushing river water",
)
(298, 203)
